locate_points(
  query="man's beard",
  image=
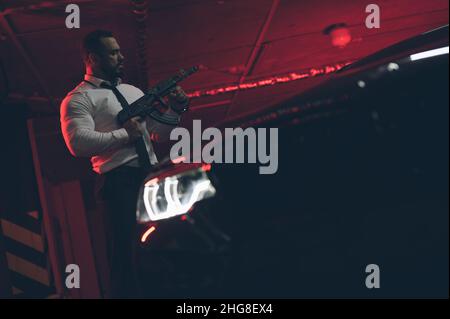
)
(113, 72)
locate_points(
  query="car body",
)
(362, 180)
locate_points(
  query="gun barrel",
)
(165, 86)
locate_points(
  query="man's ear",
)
(92, 58)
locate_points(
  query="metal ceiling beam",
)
(40, 6)
(259, 41)
(33, 70)
(256, 51)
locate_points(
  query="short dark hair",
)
(92, 43)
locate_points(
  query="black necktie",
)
(141, 150)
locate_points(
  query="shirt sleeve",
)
(78, 129)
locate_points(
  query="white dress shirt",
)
(90, 128)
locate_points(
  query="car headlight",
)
(169, 196)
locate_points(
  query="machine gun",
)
(146, 105)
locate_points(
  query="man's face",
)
(111, 59)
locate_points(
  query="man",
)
(121, 155)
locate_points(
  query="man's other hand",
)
(133, 128)
(178, 100)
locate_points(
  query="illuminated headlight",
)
(173, 195)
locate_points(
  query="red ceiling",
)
(219, 34)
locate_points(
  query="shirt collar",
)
(97, 81)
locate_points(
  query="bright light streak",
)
(147, 233)
(429, 54)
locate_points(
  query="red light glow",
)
(206, 167)
(340, 37)
(147, 233)
(293, 76)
